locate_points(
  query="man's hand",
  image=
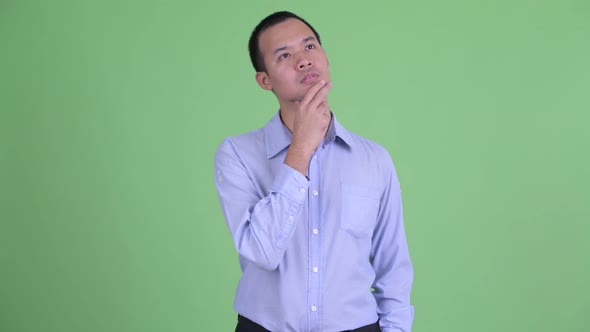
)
(310, 123)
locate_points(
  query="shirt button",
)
(315, 269)
(315, 231)
(302, 190)
(314, 308)
(291, 218)
(315, 192)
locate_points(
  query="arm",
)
(391, 261)
(261, 226)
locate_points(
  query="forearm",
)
(298, 157)
(261, 226)
(393, 285)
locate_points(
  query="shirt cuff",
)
(291, 183)
(390, 329)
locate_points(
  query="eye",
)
(284, 56)
(309, 47)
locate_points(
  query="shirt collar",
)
(278, 137)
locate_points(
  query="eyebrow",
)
(305, 40)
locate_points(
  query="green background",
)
(111, 112)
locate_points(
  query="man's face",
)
(294, 60)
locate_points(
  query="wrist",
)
(298, 158)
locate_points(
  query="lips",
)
(310, 77)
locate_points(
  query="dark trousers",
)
(246, 325)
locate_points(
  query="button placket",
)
(314, 299)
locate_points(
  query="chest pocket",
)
(359, 208)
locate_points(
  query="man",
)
(314, 210)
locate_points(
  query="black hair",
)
(267, 22)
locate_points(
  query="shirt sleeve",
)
(391, 260)
(261, 226)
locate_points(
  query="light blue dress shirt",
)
(324, 254)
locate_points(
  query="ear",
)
(263, 80)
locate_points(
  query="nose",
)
(303, 62)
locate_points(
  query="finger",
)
(312, 92)
(320, 97)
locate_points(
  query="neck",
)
(287, 116)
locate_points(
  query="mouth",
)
(310, 77)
